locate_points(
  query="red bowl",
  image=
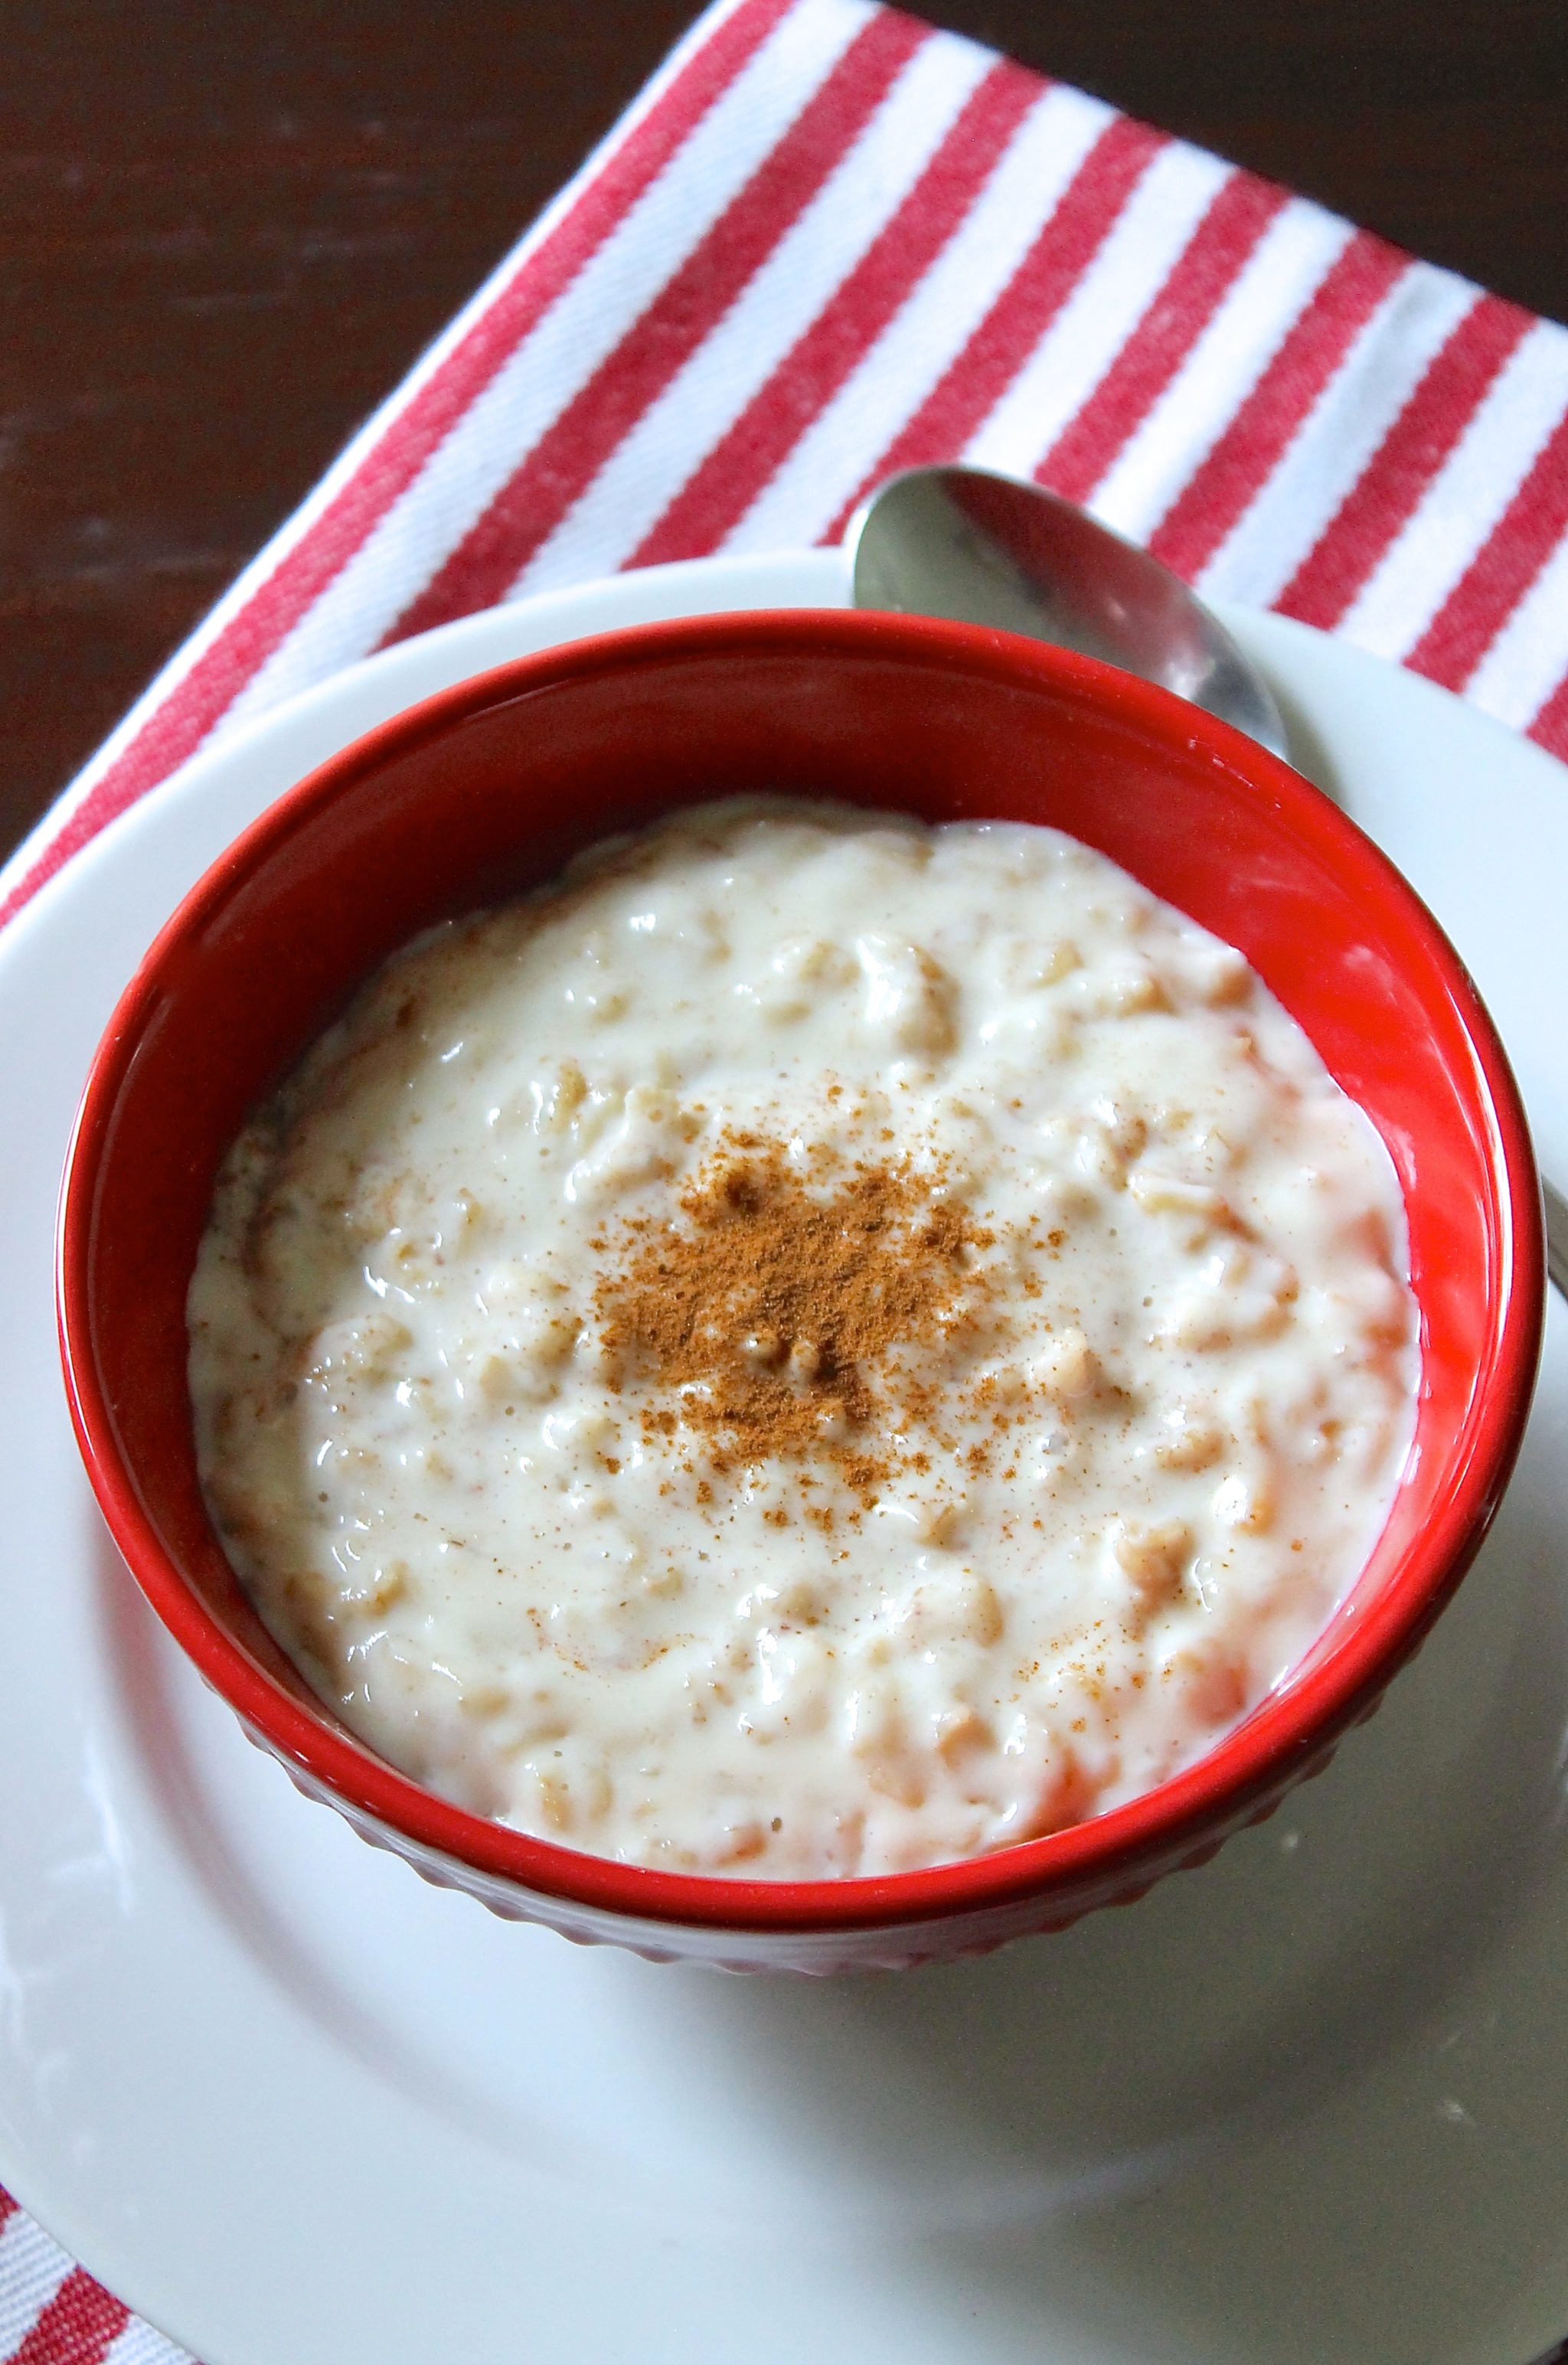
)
(486, 789)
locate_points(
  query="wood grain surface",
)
(227, 227)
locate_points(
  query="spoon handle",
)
(1556, 1257)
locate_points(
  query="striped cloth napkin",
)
(827, 242)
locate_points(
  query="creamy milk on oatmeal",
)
(818, 1345)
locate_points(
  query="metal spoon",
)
(992, 550)
(985, 549)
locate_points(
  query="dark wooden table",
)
(228, 226)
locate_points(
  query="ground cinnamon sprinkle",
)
(776, 1311)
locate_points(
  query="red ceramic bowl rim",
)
(1291, 1729)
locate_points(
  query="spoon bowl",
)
(984, 549)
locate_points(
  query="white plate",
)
(1307, 2105)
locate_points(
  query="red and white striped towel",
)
(52, 2314)
(827, 242)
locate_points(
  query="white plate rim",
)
(253, 763)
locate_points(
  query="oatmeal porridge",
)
(816, 1346)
